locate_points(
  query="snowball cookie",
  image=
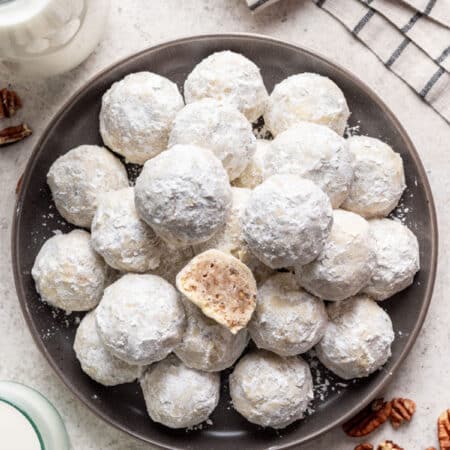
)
(230, 237)
(230, 77)
(397, 258)
(253, 173)
(287, 221)
(125, 241)
(206, 345)
(306, 97)
(96, 361)
(184, 195)
(178, 396)
(379, 179)
(77, 177)
(345, 263)
(219, 127)
(137, 113)
(221, 286)
(357, 339)
(140, 318)
(270, 390)
(314, 152)
(68, 273)
(287, 320)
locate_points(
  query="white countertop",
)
(137, 24)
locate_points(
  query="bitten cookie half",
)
(221, 286)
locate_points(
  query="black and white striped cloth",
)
(411, 37)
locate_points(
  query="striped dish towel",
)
(411, 37)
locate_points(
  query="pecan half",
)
(364, 446)
(444, 430)
(14, 134)
(9, 103)
(369, 419)
(430, 448)
(402, 409)
(389, 445)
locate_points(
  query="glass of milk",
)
(29, 421)
(40, 38)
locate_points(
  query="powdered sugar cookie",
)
(229, 77)
(68, 273)
(177, 396)
(137, 113)
(270, 390)
(306, 97)
(79, 176)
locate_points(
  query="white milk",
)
(40, 38)
(28, 421)
(16, 431)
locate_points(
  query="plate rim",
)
(25, 178)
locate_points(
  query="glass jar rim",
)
(27, 417)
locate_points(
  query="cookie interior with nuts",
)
(221, 286)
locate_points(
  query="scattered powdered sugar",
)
(200, 426)
(353, 130)
(325, 382)
(260, 130)
(133, 170)
(63, 321)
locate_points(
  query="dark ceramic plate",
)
(35, 220)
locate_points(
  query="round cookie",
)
(270, 390)
(219, 127)
(177, 396)
(206, 345)
(314, 152)
(79, 176)
(287, 221)
(140, 318)
(345, 263)
(228, 77)
(230, 238)
(253, 173)
(357, 339)
(68, 273)
(96, 361)
(118, 234)
(287, 320)
(137, 113)
(306, 97)
(397, 258)
(184, 194)
(379, 178)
